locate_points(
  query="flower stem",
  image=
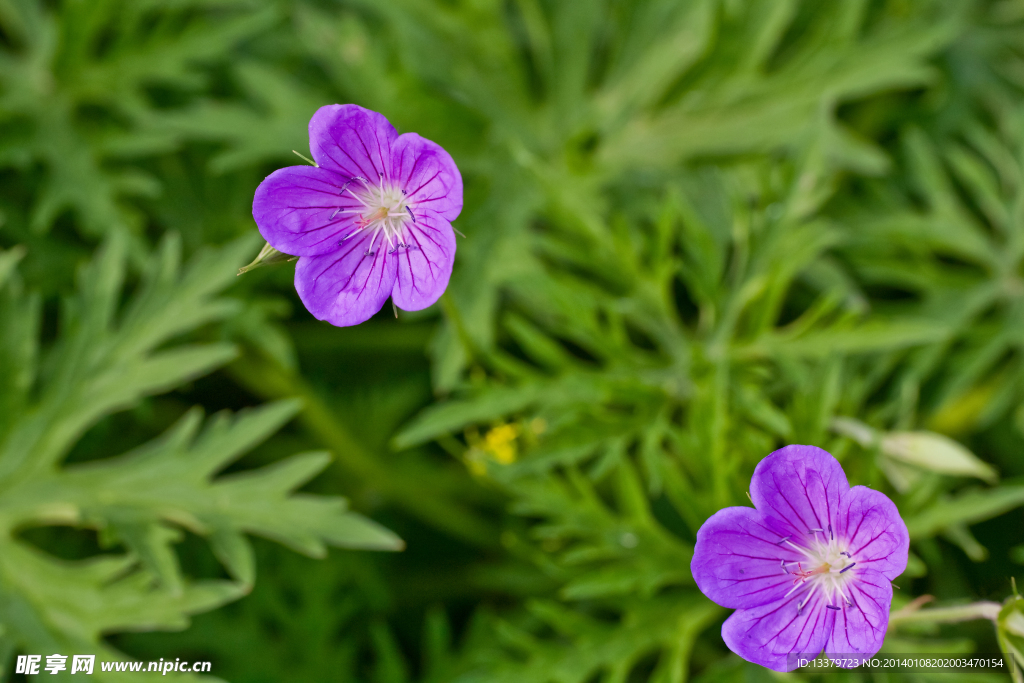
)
(947, 615)
(414, 489)
(453, 315)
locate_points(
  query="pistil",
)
(383, 210)
(829, 562)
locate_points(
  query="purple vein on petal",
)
(810, 503)
(778, 490)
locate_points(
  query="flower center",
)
(384, 212)
(825, 566)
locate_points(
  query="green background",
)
(695, 231)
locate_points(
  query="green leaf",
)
(101, 366)
(107, 358)
(966, 508)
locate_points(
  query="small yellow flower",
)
(500, 442)
(497, 445)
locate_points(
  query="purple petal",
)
(798, 489)
(348, 286)
(860, 629)
(737, 560)
(299, 210)
(769, 634)
(428, 175)
(352, 141)
(426, 264)
(875, 534)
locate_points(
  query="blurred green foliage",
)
(696, 231)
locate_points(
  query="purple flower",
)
(809, 568)
(371, 220)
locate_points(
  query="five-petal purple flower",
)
(809, 568)
(371, 220)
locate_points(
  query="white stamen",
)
(825, 566)
(804, 551)
(383, 210)
(359, 199)
(809, 596)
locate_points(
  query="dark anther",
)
(848, 567)
(814, 531)
(782, 563)
(783, 540)
(411, 214)
(830, 531)
(345, 186)
(832, 607)
(369, 253)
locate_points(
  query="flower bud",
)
(267, 256)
